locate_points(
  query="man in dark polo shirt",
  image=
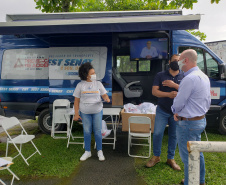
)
(165, 87)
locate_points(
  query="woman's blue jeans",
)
(190, 131)
(92, 122)
(163, 118)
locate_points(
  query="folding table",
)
(106, 111)
(112, 112)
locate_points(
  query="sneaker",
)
(85, 156)
(100, 155)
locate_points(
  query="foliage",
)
(215, 1)
(198, 34)
(49, 6)
(124, 65)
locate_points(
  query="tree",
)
(50, 6)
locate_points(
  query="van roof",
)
(98, 22)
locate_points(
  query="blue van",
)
(40, 56)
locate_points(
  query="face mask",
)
(93, 77)
(181, 64)
(174, 65)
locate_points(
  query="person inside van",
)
(149, 51)
(89, 108)
(165, 86)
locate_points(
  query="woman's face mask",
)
(93, 77)
(174, 65)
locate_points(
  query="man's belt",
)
(191, 119)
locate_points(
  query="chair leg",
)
(2, 182)
(20, 147)
(7, 145)
(20, 154)
(128, 144)
(52, 132)
(149, 146)
(35, 147)
(14, 176)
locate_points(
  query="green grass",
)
(163, 174)
(56, 160)
(59, 161)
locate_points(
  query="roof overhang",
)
(70, 23)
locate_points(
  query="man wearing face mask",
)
(165, 87)
(189, 108)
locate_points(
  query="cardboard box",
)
(117, 98)
(135, 128)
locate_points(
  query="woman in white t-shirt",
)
(89, 108)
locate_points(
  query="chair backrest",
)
(116, 75)
(8, 123)
(61, 102)
(141, 120)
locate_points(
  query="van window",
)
(25, 64)
(124, 65)
(144, 65)
(200, 59)
(212, 67)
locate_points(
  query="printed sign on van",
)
(53, 63)
(64, 62)
(25, 64)
(215, 93)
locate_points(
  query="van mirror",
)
(222, 68)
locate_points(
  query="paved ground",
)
(117, 169)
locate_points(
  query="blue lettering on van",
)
(78, 62)
(22, 89)
(59, 61)
(54, 62)
(68, 62)
(70, 91)
(72, 62)
(72, 73)
(42, 89)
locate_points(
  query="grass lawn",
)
(55, 160)
(163, 174)
(59, 161)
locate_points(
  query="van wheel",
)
(222, 126)
(45, 122)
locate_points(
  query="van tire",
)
(45, 122)
(222, 126)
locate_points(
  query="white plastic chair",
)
(143, 134)
(6, 167)
(21, 139)
(60, 109)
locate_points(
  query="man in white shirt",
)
(149, 51)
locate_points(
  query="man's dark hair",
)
(84, 70)
(173, 56)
